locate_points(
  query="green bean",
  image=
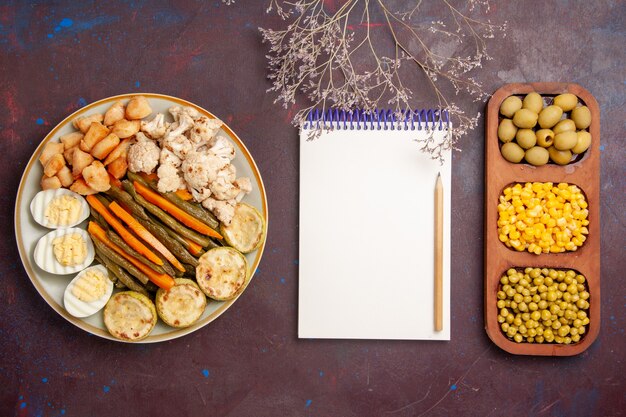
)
(121, 274)
(185, 244)
(195, 210)
(112, 276)
(160, 231)
(190, 271)
(128, 201)
(118, 259)
(105, 201)
(98, 218)
(119, 284)
(166, 219)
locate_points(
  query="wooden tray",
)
(499, 173)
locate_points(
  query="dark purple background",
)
(56, 57)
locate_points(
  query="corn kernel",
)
(543, 217)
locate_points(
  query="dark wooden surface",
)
(57, 56)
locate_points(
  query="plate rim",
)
(28, 267)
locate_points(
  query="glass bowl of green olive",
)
(538, 129)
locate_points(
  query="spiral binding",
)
(378, 119)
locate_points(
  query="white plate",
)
(27, 231)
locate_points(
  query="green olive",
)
(537, 156)
(581, 117)
(525, 119)
(583, 141)
(550, 116)
(533, 102)
(526, 138)
(512, 152)
(510, 105)
(506, 130)
(565, 140)
(564, 126)
(545, 138)
(559, 157)
(566, 101)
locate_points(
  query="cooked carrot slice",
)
(181, 215)
(161, 280)
(143, 233)
(124, 234)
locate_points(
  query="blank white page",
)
(366, 263)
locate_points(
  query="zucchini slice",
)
(247, 229)
(222, 273)
(182, 305)
(130, 316)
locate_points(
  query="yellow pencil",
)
(439, 254)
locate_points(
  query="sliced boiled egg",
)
(88, 292)
(59, 208)
(64, 251)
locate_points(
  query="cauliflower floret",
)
(179, 145)
(200, 169)
(143, 156)
(169, 158)
(176, 111)
(225, 187)
(156, 128)
(169, 179)
(223, 148)
(200, 195)
(204, 130)
(223, 210)
(244, 185)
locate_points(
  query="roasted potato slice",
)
(95, 134)
(118, 167)
(51, 149)
(80, 160)
(96, 176)
(81, 187)
(120, 151)
(50, 183)
(71, 139)
(138, 108)
(65, 176)
(68, 154)
(101, 149)
(126, 128)
(115, 113)
(84, 122)
(54, 165)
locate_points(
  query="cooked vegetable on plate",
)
(166, 221)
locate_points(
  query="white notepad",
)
(366, 263)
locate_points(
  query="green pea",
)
(550, 116)
(525, 119)
(510, 105)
